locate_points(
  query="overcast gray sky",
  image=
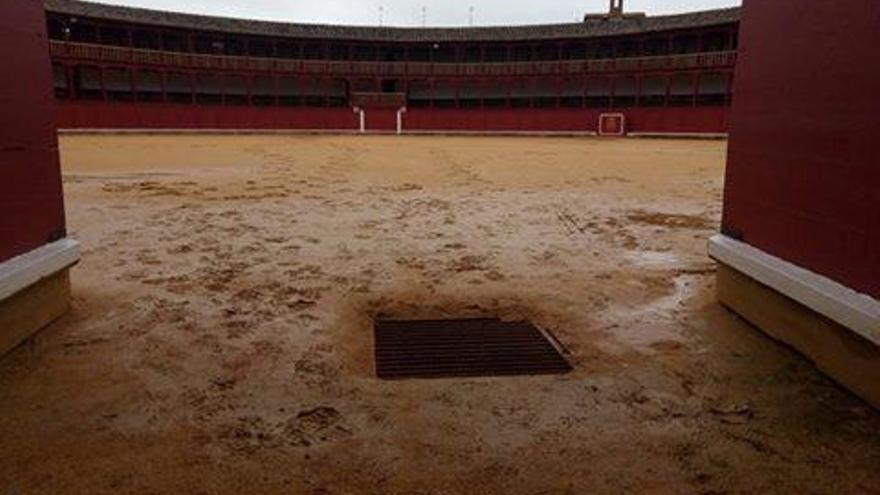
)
(409, 12)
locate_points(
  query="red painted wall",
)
(672, 119)
(803, 178)
(381, 119)
(501, 119)
(678, 119)
(31, 203)
(100, 115)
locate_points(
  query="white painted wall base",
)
(498, 133)
(257, 132)
(23, 271)
(680, 135)
(856, 311)
(401, 130)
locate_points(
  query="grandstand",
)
(128, 68)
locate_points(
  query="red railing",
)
(103, 54)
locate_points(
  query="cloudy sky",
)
(409, 12)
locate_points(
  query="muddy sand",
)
(220, 336)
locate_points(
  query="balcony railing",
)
(103, 54)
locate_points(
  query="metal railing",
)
(103, 54)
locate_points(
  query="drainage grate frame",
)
(484, 347)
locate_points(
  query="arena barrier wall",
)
(99, 115)
(35, 256)
(30, 180)
(799, 251)
(803, 177)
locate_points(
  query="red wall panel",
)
(381, 119)
(31, 203)
(99, 115)
(501, 119)
(673, 120)
(678, 119)
(803, 178)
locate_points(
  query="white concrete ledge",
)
(23, 271)
(316, 132)
(441, 132)
(438, 132)
(856, 311)
(680, 135)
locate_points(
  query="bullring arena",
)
(220, 334)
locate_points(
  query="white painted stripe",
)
(443, 132)
(856, 311)
(23, 271)
(320, 131)
(206, 131)
(680, 135)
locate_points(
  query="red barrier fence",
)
(803, 177)
(31, 203)
(100, 115)
(119, 115)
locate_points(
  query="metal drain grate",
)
(457, 348)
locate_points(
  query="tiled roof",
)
(587, 29)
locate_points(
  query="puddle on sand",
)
(653, 258)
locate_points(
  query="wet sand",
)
(220, 336)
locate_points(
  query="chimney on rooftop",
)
(616, 9)
(615, 12)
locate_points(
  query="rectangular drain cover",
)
(457, 348)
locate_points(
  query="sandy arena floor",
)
(220, 337)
